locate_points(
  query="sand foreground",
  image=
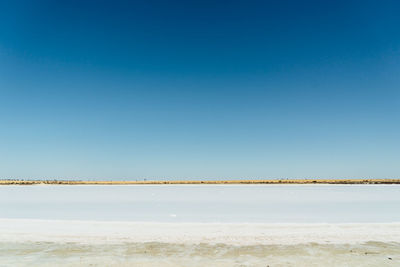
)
(90, 243)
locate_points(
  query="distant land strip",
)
(145, 182)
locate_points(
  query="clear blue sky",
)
(199, 89)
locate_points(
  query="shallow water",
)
(205, 203)
(162, 254)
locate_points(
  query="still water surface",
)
(204, 203)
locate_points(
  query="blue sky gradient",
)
(199, 89)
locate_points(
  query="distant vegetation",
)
(144, 182)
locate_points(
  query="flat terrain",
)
(200, 225)
(222, 255)
(269, 181)
(206, 203)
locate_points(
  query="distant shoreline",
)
(277, 181)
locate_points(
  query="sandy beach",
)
(83, 243)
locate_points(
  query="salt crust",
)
(98, 232)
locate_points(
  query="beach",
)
(198, 225)
(161, 254)
(82, 243)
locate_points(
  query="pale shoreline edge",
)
(101, 232)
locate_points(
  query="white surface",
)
(200, 225)
(17, 230)
(205, 203)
